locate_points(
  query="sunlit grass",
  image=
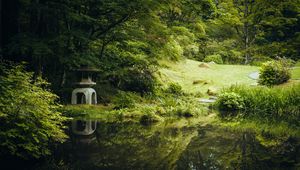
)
(295, 72)
(297, 64)
(186, 72)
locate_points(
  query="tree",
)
(239, 15)
(29, 117)
(260, 29)
(280, 23)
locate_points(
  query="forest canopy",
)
(56, 36)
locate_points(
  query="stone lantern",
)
(84, 93)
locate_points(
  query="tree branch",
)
(123, 19)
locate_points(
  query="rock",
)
(207, 100)
(212, 62)
(204, 65)
(213, 97)
(201, 81)
(212, 91)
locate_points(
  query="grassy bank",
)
(275, 111)
(279, 103)
(149, 110)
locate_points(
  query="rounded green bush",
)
(139, 80)
(124, 100)
(174, 88)
(230, 101)
(274, 73)
(217, 58)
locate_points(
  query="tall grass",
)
(277, 103)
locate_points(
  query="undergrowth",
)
(126, 106)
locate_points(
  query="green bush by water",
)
(230, 101)
(274, 72)
(277, 103)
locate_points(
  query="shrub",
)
(127, 71)
(230, 101)
(274, 73)
(124, 100)
(105, 92)
(174, 88)
(136, 79)
(172, 50)
(234, 57)
(215, 58)
(29, 117)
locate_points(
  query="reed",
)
(276, 103)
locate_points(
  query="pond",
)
(174, 144)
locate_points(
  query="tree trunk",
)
(246, 32)
(63, 80)
(247, 56)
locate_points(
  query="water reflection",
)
(83, 127)
(172, 145)
(83, 131)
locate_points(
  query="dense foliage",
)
(174, 88)
(254, 31)
(274, 73)
(28, 115)
(125, 38)
(214, 58)
(124, 100)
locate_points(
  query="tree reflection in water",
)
(172, 145)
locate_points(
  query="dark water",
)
(170, 145)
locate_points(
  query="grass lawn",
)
(194, 78)
(296, 71)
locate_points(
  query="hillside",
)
(196, 78)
